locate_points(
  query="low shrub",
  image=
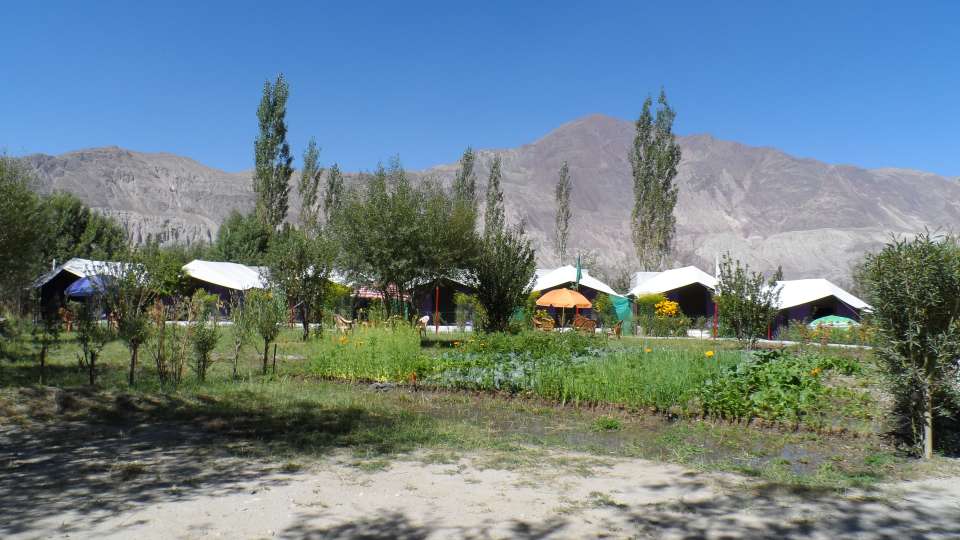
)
(774, 385)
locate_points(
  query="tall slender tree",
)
(465, 183)
(494, 217)
(654, 158)
(333, 194)
(309, 185)
(272, 158)
(563, 190)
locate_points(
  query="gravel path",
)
(167, 481)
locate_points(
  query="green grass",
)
(294, 415)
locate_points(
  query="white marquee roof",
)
(568, 274)
(797, 292)
(235, 276)
(82, 268)
(669, 280)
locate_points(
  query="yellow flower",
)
(667, 308)
(343, 340)
(815, 371)
(648, 349)
(708, 354)
(456, 343)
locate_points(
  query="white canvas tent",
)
(669, 280)
(798, 292)
(235, 276)
(81, 268)
(568, 274)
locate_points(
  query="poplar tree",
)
(309, 185)
(654, 158)
(563, 212)
(494, 216)
(273, 162)
(465, 183)
(333, 195)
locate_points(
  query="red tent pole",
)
(436, 312)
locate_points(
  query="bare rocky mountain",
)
(760, 204)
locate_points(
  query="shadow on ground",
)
(766, 513)
(94, 455)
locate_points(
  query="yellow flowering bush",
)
(667, 308)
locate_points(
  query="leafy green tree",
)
(21, 228)
(46, 334)
(267, 310)
(242, 238)
(747, 302)
(74, 230)
(204, 330)
(395, 233)
(494, 219)
(448, 241)
(128, 297)
(241, 330)
(333, 194)
(91, 334)
(503, 273)
(309, 186)
(654, 158)
(563, 212)
(465, 182)
(300, 265)
(273, 161)
(914, 287)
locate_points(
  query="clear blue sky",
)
(868, 83)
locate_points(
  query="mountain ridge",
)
(759, 203)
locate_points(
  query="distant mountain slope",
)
(760, 204)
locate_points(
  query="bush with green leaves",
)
(914, 288)
(268, 311)
(774, 385)
(604, 311)
(46, 335)
(747, 302)
(503, 273)
(92, 333)
(128, 296)
(204, 330)
(300, 265)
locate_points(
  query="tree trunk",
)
(133, 362)
(91, 367)
(236, 360)
(43, 364)
(266, 355)
(928, 419)
(304, 318)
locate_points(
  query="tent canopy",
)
(797, 292)
(87, 286)
(568, 274)
(82, 268)
(835, 321)
(660, 282)
(564, 298)
(234, 276)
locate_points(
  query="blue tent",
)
(86, 287)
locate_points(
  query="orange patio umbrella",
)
(564, 298)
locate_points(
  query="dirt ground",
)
(76, 480)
